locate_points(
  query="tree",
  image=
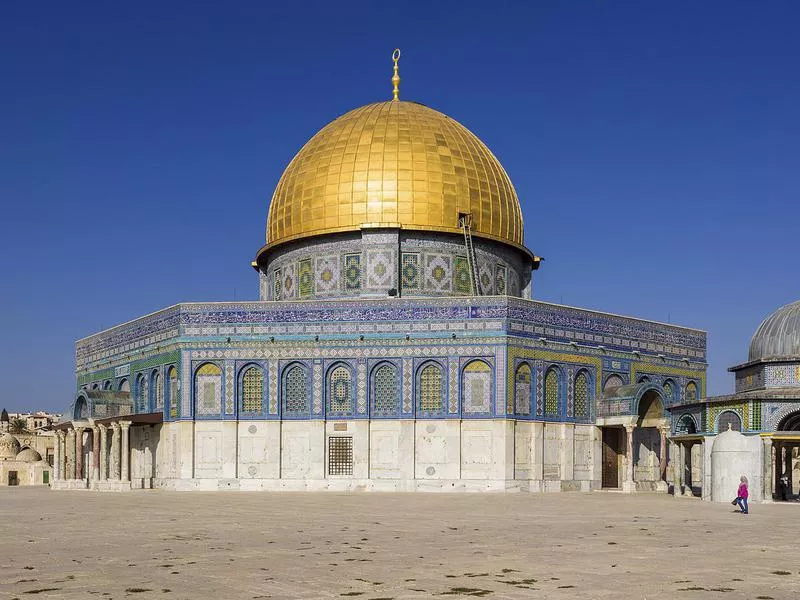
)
(18, 425)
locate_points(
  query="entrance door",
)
(611, 436)
(12, 478)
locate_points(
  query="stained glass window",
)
(552, 398)
(340, 392)
(295, 391)
(691, 392)
(581, 395)
(174, 401)
(430, 389)
(252, 390)
(385, 391)
(522, 393)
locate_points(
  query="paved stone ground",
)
(155, 544)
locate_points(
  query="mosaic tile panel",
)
(570, 398)
(501, 280)
(380, 269)
(430, 389)
(551, 393)
(229, 386)
(463, 277)
(385, 391)
(452, 406)
(438, 273)
(252, 390)
(277, 284)
(361, 387)
(295, 391)
(486, 277)
(539, 388)
(582, 396)
(411, 276)
(273, 387)
(208, 389)
(408, 380)
(289, 285)
(501, 389)
(476, 390)
(317, 387)
(522, 391)
(327, 274)
(305, 274)
(352, 272)
(186, 390)
(340, 391)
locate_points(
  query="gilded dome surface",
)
(778, 336)
(394, 164)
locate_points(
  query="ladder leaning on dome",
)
(465, 222)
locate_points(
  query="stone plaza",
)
(153, 543)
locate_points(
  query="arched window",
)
(385, 391)
(107, 385)
(430, 395)
(81, 409)
(208, 390)
(643, 379)
(95, 386)
(296, 393)
(141, 394)
(252, 390)
(612, 382)
(522, 390)
(686, 425)
(669, 391)
(691, 391)
(552, 393)
(172, 393)
(156, 391)
(729, 418)
(582, 395)
(340, 391)
(476, 388)
(124, 386)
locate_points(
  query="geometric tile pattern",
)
(453, 387)
(476, 390)
(523, 390)
(581, 395)
(385, 391)
(326, 274)
(380, 269)
(352, 272)
(552, 398)
(229, 376)
(463, 276)
(306, 278)
(317, 387)
(408, 379)
(361, 386)
(411, 278)
(500, 280)
(208, 389)
(438, 274)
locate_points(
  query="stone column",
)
(79, 474)
(103, 452)
(69, 452)
(787, 465)
(629, 485)
(125, 455)
(114, 458)
(57, 458)
(662, 460)
(766, 472)
(677, 469)
(95, 453)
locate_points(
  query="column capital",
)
(664, 429)
(125, 424)
(79, 428)
(60, 434)
(767, 441)
(630, 427)
(102, 427)
(115, 426)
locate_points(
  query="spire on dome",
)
(396, 77)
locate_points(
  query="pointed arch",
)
(553, 392)
(669, 388)
(296, 390)
(208, 390)
(140, 405)
(172, 393)
(251, 389)
(384, 390)
(686, 425)
(339, 390)
(691, 391)
(476, 388)
(523, 379)
(729, 418)
(582, 395)
(430, 389)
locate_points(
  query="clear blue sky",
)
(654, 147)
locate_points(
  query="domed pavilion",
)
(765, 404)
(395, 345)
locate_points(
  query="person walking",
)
(742, 494)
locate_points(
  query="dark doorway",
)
(612, 450)
(12, 478)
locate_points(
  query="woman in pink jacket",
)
(741, 494)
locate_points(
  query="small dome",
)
(778, 336)
(29, 455)
(730, 441)
(9, 447)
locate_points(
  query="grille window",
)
(340, 455)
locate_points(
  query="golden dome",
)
(394, 164)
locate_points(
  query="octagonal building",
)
(395, 346)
